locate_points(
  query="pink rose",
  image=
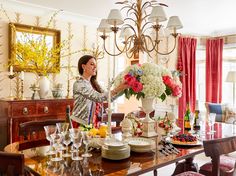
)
(137, 87)
(176, 90)
(168, 81)
(130, 79)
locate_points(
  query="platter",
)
(140, 145)
(185, 144)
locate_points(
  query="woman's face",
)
(90, 68)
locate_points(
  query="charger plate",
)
(140, 144)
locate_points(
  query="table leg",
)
(186, 165)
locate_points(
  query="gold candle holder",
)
(18, 86)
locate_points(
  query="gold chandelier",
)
(136, 28)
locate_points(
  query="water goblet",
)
(57, 139)
(191, 121)
(86, 141)
(66, 139)
(62, 127)
(76, 137)
(211, 122)
(49, 130)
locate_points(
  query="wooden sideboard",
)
(14, 112)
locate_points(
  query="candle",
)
(11, 70)
(22, 76)
(109, 97)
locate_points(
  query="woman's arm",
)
(85, 89)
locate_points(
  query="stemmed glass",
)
(57, 139)
(211, 122)
(191, 121)
(66, 139)
(62, 128)
(76, 137)
(49, 130)
(86, 141)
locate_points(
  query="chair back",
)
(115, 117)
(215, 148)
(12, 164)
(35, 129)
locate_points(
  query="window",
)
(229, 64)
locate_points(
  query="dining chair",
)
(11, 164)
(34, 130)
(141, 114)
(115, 117)
(220, 163)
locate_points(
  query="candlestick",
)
(22, 88)
(109, 98)
(11, 70)
(22, 75)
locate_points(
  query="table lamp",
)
(231, 77)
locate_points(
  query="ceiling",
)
(199, 17)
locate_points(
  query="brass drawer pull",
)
(45, 109)
(25, 111)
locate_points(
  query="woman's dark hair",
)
(84, 60)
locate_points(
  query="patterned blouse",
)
(85, 97)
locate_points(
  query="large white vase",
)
(148, 123)
(44, 87)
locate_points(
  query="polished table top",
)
(96, 165)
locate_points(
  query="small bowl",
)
(57, 93)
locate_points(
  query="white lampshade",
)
(104, 26)
(231, 77)
(174, 23)
(157, 15)
(125, 33)
(115, 17)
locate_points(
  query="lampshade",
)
(104, 26)
(174, 23)
(125, 33)
(231, 77)
(115, 17)
(157, 14)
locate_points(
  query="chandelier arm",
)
(146, 3)
(146, 45)
(145, 26)
(129, 42)
(127, 54)
(115, 41)
(131, 27)
(131, 20)
(169, 51)
(104, 47)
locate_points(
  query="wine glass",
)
(66, 139)
(191, 121)
(211, 122)
(62, 127)
(57, 139)
(49, 130)
(86, 141)
(76, 137)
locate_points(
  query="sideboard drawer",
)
(46, 108)
(23, 109)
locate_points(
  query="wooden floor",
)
(168, 170)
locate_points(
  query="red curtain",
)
(187, 65)
(214, 52)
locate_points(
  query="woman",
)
(87, 91)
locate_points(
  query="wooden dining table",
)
(137, 163)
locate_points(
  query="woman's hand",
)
(120, 88)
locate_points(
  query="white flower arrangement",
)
(149, 80)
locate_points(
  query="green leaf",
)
(163, 97)
(168, 90)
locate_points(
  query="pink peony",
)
(137, 87)
(130, 79)
(176, 90)
(168, 81)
